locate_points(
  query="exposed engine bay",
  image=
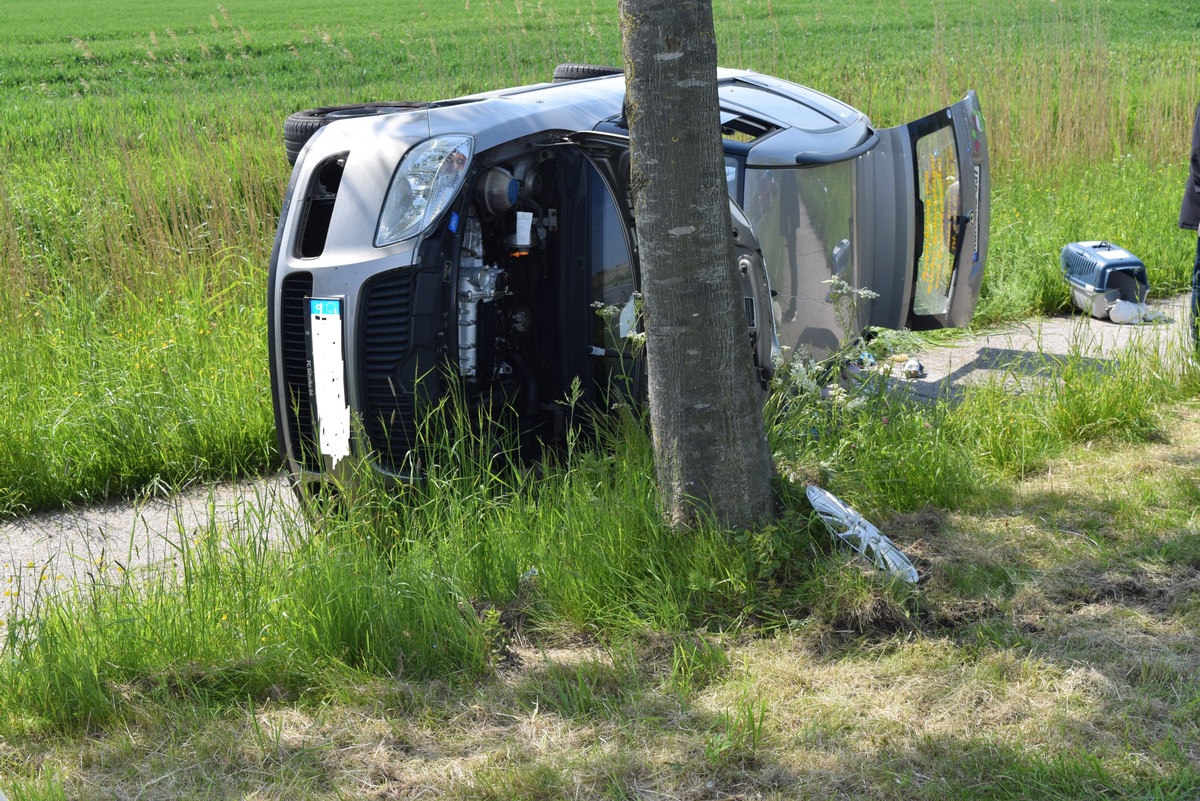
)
(510, 265)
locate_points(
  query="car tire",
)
(577, 72)
(298, 128)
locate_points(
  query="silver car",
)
(486, 246)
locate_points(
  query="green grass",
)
(143, 161)
(504, 634)
(1057, 600)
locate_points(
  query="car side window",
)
(938, 189)
(733, 176)
(612, 280)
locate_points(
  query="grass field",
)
(512, 636)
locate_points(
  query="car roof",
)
(774, 120)
(777, 118)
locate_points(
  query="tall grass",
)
(433, 580)
(231, 617)
(134, 347)
(396, 586)
(865, 442)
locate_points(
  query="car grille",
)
(302, 443)
(390, 419)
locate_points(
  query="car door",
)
(609, 154)
(924, 205)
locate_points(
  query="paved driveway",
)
(1031, 349)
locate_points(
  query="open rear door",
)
(924, 196)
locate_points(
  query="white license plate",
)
(328, 377)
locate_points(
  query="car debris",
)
(913, 369)
(847, 525)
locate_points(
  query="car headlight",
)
(428, 178)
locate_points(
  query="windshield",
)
(804, 219)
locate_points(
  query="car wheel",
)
(298, 128)
(576, 72)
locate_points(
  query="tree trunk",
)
(711, 452)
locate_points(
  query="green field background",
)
(142, 169)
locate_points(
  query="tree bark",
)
(712, 459)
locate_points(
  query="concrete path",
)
(1030, 349)
(44, 552)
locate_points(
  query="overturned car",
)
(486, 246)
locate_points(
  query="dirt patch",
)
(1157, 593)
